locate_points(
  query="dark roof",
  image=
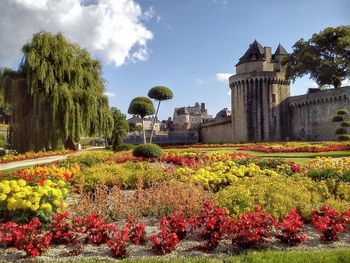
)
(280, 50)
(223, 113)
(182, 110)
(254, 52)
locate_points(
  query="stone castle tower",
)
(258, 95)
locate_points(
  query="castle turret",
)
(258, 91)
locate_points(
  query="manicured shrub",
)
(148, 150)
(338, 118)
(328, 222)
(345, 124)
(290, 229)
(342, 112)
(344, 137)
(252, 228)
(341, 131)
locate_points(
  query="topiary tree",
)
(141, 106)
(342, 132)
(159, 93)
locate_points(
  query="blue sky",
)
(196, 39)
(182, 44)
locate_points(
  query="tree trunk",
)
(153, 122)
(143, 131)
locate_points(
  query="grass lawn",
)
(312, 256)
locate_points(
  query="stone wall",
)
(216, 131)
(310, 116)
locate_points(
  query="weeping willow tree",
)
(56, 95)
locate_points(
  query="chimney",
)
(267, 53)
(203, 106)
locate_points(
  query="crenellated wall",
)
(311, 114)
(216, 131)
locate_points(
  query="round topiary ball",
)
(148, 150)
(345, 124)
(342, 112)
(338, 118)
(344, 137)
(341, 131)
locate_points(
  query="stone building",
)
(190, 117)
(262, 109)
(136, 121)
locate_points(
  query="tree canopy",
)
(325, 56)
(56, 94)
(159, 93)
(120, 128)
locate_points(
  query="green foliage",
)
(121, 128)
(338, 118)
(86, 159)
(344, 137)
(142, 106)
(160, 93)
(124, 175)
(276, 194)
(125, 147)
(56, 93)
(345, 124)
(324, 56)
(341, 131)
(342, 112)
(2, 141)
(148, 150)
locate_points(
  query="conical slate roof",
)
(280, 50)
(255, 51)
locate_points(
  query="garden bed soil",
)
(185, 249)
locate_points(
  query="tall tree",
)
(159, 93)
(56, 95)
(120, 129)
(325, 56)
(141, 106)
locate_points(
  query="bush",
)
(2, 141)
(124, 175)
(87, 158)
(345, 124)
(124, 147)
(275, 194)
(342, 112)
(344, 137)
(328, 222)
(252, 228)
(341, 131)
(338, 118)
(148, 150)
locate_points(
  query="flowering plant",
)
(328, 222)
(290, 229)
(212, 224)
(252, 228)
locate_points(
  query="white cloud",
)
(223, 77)
(111, 29)
(110, 94)
(229, 92)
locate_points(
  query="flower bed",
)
(295, 147)
(209, 227)
(31, 155)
